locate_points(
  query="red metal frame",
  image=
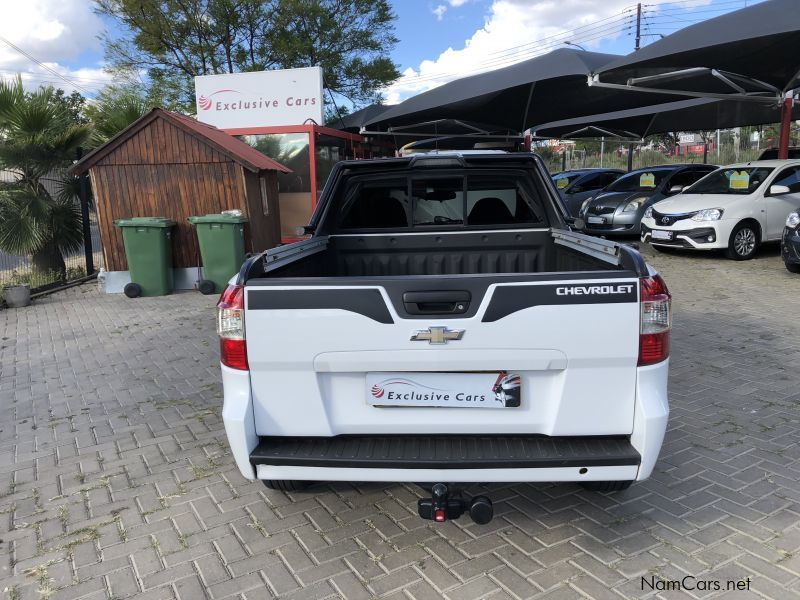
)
(786, 127)
(312, 131)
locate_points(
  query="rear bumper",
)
(450, 458)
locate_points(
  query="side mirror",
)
(777, 190)
(677, 189)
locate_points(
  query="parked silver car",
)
(577, 185)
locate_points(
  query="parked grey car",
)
(619, 208)
(577, 185)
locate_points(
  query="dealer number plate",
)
(596, 220)
(464, 390)
(661, 235)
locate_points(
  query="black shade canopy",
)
(545, 88)
(752, 51)
(447, 127)
(685, 115)
(354, 121)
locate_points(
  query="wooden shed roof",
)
(237, 150)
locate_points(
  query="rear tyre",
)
(744, 241)
(792, 267)
(132, 290)
(606, 486)
(286, 485)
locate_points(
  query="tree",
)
(113, 110)
(74, 103)
(348, 38)
(38, 136)
(173, 41)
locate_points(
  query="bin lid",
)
(145, 222)
(217, 218)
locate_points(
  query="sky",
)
(58, 42)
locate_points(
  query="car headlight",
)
(793, 220)
(634, 204)
(584, 206)
(709, 214)
(648, 212)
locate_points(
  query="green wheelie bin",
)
(149, 253)
(221, 241)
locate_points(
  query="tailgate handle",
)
(436, 303)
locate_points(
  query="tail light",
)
(656, 320)
(230, 328)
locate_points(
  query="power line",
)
(610, 30)
(44, 66)
(41, 77)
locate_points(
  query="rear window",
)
(438, 202)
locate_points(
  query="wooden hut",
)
(170, 165)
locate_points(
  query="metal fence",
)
(611, 153)
(16, 270)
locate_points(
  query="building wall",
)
(162, 171)
(175, 191)
(263, 208)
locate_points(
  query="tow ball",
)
(441, 507)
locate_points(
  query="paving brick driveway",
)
(115, 479)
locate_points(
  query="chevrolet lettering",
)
(444, 325)
(582, 290)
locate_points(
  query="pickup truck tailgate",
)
(355, 359)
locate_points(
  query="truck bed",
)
(463, 253)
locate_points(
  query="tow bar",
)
(441, 507)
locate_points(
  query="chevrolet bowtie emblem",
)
(437, 335)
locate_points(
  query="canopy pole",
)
(523, 127)
(786, 126)
(630, 158)
(602, 150)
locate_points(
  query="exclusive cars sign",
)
(260, 98)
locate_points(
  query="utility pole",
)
(638, 26)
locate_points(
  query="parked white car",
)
(735, 208)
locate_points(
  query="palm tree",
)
(38, 137)
(113, 110)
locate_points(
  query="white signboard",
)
(686, 138)
(260, 98)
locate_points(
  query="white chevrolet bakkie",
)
(443, 325)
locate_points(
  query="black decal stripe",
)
(512, 298)
(364, 302)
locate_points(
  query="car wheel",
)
(286, 485)
(792, 267)
(606, 486)
(744, 241)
